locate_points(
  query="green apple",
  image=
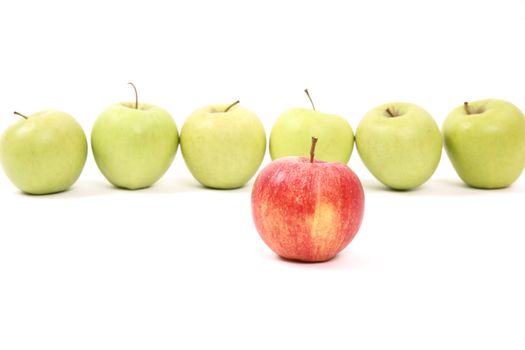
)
(292, 133)
(134, 143)
(44, 152)
(485, 141)
(223, 145)
(400, 144)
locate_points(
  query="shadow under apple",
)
(438, 187)
(346, 260)
(184, 184)
(82, 188)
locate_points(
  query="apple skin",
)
(486, 147)
(133, 148)
(44, 153)
(292, 132)
(403, 151)
(221, 149)
(307, 211)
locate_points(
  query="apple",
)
(223, 145)
(485, 141)
(290, 135)
(43, 153)
(134, 143)
(305, 209)
(400, 144)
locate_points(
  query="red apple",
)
(307, 210)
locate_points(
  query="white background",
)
(177, 266)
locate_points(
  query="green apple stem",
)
(312, 149)
(466, 106)
(136, 95)
(389, 111)
(230, 106)
(20, 114)
(310, 98)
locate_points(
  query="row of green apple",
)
(223, 145)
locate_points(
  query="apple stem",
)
(136, 95)
(312, 149)
(466, 106)
(389, 111)
(20, 114)
(310, 98)
(230, 106)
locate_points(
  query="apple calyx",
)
(136, 95)
(20, 114)
(466, 106)
(473, 110)
(310, 98)
(312, 149)
(391, 113)
(230, 106)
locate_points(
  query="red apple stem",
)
(390, 113)
(310, 98)
(230, 106)
(20, 114)
(466, 106)
(312, 149)
(136, 95)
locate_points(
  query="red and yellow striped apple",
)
(307, 210)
